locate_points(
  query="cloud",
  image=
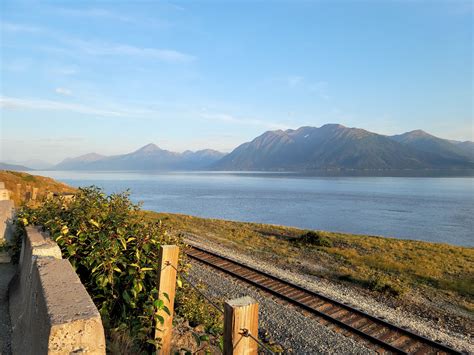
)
(16, 27)
(11, 103)
(63, 91)
(93, 12)
(100, 48)
(103, 48)
(66, 71)
(320, 87)
(107, 109)
(224, 117)
(294, 80)
(298, 81)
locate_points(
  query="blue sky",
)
(111, 76)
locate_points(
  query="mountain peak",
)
(149, 148)
(418, 133)
(85, 157)
(333, 125)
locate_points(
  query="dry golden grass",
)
(380, 264)
(44, 185)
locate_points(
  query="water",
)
(431, 209)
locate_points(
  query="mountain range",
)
(149, 157)
(335, 147)
(13, 167)
(332, 147)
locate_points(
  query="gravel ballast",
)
(286, 325)
(349, 295)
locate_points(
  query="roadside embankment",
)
(50, 310)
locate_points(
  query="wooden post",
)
(18, 191)
(240, 314)
(34, 194)
(167, 284)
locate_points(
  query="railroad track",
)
(384, 337)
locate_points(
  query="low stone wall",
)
(50, 310)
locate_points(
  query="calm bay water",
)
(431, 209)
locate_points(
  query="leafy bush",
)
(374, 281)
(114, 250)
(192, 306)
(314, 238)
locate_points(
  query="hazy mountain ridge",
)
(13, 167)
(334, 146)
(330, 147)
(148, 157)
(428, 143)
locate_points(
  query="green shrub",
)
(193, 307)
(314, 238)
(114, 251)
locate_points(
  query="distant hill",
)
(467, 147)
(426, 142)
(14, 167)
(74, 163)
(333, 147)
(44, 184)
(35, 164)
(149, 157)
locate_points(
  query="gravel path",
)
(285, 324)
(6, 273)
(347, 294)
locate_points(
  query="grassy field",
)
(385, 265)
(44, 184)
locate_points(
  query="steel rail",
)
(384, 344)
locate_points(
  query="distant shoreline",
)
(309, 173)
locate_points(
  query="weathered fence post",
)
(167, 285)
(34, 193)
(240, 316)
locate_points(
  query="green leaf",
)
(94, 223)
(158, 304)
(124, 244)
(126, 296)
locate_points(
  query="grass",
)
(44, 185)
(385, 265)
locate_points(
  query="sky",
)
(111, 76)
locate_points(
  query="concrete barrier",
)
(50, 310)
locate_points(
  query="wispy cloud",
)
(107, 109)
(93, 12)
(225, 117)
(64, 70)
(63, 91)
(12, 103)
(104, 48)
(69, 44)
(320, 87)
(300, 82)
(294, 80)
(17, 27)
